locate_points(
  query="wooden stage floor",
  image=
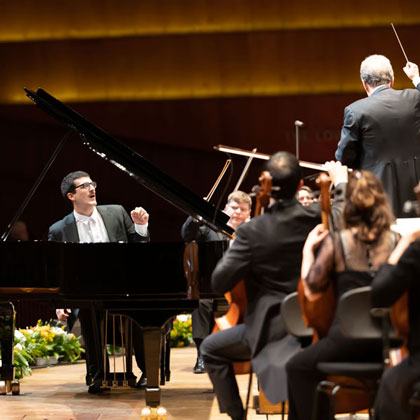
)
(59, 393)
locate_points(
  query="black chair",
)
(291, 313)
(357, 320)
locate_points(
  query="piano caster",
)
(3, 388)
(153, 413)
(9, 386)
(15, 387)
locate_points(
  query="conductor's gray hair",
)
(376, 70)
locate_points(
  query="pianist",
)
(92, 223)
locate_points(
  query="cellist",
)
(347, 259)
(238, 207)
(266, 254)
(400, 274)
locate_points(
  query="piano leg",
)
(7, 330)
(152, 349)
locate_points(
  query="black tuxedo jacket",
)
(381, 134)
(117, 222)
(267, 255)
(192, 230)
(392, 281)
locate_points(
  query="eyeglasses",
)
(241, 209)
(86, 185)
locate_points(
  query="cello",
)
(319, 315)
(399, 313)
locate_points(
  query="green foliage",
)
(181, 333)
(44, 341)
(110, 350)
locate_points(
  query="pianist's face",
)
(84, 197)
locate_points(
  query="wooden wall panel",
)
(174, 78)
(48, 19)
(269, 63)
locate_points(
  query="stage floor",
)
(59, 393)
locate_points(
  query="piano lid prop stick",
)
(213, 189)
(398, 39)
(245, 170)
(264, 156)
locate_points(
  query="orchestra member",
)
(381, 133)
(399, 275)
(349, 258)
(266, 255)
(238, 207)
(92, 223)
(304, 195)
(19, 232)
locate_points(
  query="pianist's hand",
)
(62, 314)
(140, 216)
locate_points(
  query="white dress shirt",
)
(91, 228)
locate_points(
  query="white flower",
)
(19, 336)
(58, 331)
(183, 318)
(18, 347)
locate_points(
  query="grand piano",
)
(45, 271)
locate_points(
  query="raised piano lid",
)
(132, 163)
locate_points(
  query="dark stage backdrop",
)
(176, 136)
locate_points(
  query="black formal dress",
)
(381, 134)
(390, 283)
(348, 263)
(266, 254)
(119, 227)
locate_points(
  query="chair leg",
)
(332, 402)
(324, 387)
(248, 395)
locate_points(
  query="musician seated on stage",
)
(401, 274)
(348, 259)
(238, 207)
(304, 195)
(92, 223)
(266, 255)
